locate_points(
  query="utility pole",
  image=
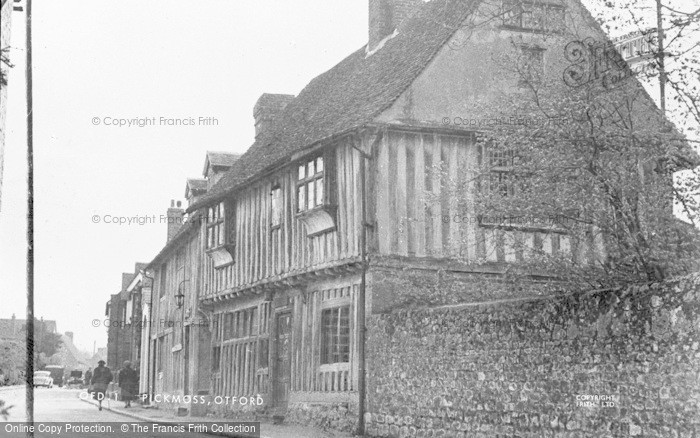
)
(662, 67)
(30, 227)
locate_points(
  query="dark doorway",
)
(283, 351)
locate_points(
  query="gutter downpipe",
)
(361, 301)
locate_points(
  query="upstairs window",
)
(531, 65)
(500, 172)
(180, 259)
(216, 232)
(163, 279)
(533, 16)
(335, 335)
(276, 207)
(310, 185)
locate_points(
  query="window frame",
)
(163, 280)
(331, 346)
(499, 163)
(216, 236)
(534, 71)
(276, 206)
(316, 180)
(514, 11)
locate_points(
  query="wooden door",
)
(283, 369)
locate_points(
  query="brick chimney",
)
(176, 216)
(267, 111)
(69, 335)
(385, 16)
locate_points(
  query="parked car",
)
(56, 373)
(43, 378)
(75, 379)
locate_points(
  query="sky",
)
(108, 60)
(98, 61)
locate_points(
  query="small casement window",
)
(533, 16)
(335, 335)
(500, 172)
(531, 65)
(310, 184)
(215, 359)
(163, 279)
(263, 360)
(216, 231)
(276, 206)
(241, 324)
(180, 259)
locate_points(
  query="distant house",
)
(123, 312)
(16, 329)
(69, 356)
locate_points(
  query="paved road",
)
(64, 405)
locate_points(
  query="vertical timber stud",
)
(356, 142)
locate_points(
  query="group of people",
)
(100, 379)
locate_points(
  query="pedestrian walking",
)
(100, 381)
(128, 383)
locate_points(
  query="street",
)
(64, 405)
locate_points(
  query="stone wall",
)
(335, 416)
(526, 368)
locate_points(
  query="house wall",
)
(119, 334)
(169, 324)
(475, 71)
(322, 394)
(422, 212)
(263, 253)
(526, 367)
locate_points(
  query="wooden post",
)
(30, 227)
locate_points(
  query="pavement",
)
(268, 430)
(66, 405)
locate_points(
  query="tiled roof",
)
(192, 223)
(350, 94)
(225, 159)
(197, 184)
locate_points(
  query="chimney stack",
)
(176, 216)
(70, 336)
(267, 111)
(386, 15)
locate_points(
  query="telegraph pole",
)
(30, 226)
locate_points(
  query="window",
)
(310, 190)
(276, 206)
(529, 15)
(500, 178)
(163, 279)
(263, 360)
(241, 324)
(180, 259)
(216, 234)
(335, 335)
(215, 359)
(162, 351)
(531, 65)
